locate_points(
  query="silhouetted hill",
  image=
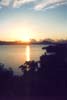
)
(12, 43)
(33, 41)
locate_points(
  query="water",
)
(15, 55)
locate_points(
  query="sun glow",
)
(26, 38)
(25, 33)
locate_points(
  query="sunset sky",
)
(38, 19)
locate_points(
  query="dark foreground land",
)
(46, 78)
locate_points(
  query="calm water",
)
(15, 55)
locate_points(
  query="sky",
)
(33, 19)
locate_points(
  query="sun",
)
(26, 38)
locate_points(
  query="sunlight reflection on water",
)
(27, 53)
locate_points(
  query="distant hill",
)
(33, 41)
(12, 43)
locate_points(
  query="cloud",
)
(47, 4)
(14, 3)
(18, 3)
(38, 4)
(5, 3)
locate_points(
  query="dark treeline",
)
(23, 43)
(47, 77)
(33, 41)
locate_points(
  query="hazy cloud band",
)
(38, 4)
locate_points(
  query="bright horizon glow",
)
(26, 38)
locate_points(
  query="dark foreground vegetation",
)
(47, 77)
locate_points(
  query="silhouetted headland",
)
(46, 77)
